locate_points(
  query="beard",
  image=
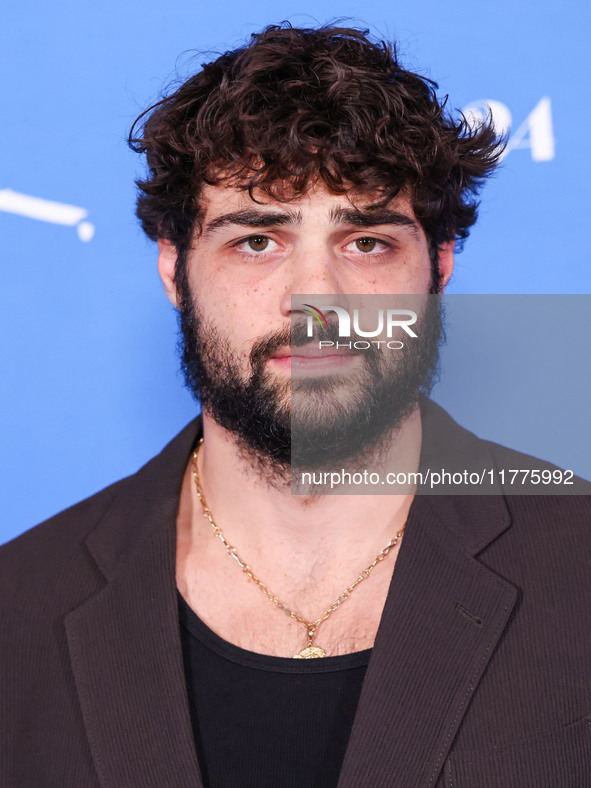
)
(284, 426)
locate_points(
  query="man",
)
(437, 640)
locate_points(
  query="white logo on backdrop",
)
(536, 132)
(47, 211)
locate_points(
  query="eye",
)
(255, 245)
(367, 245)
(258, 243)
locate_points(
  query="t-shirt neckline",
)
(251, 659)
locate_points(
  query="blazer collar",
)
(444, 614)
(475, 519)
(124, 642)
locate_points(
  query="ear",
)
(167, 257)
(446, 262)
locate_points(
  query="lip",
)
(310, 359)
(309, 352)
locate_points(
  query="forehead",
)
(316, 202)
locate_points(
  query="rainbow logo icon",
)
(314, 311)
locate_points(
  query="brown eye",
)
(366, 244)
(258, 243)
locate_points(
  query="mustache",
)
(296, 335)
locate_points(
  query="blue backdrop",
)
(91, 387)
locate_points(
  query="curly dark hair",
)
(295, 106)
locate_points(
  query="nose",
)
(313, 278)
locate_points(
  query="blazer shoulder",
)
(32, 563)
(50, 567)
(568, 512)
(505, 456)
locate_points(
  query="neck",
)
(263, 519)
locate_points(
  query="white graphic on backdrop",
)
(536, 132)
(47, 211)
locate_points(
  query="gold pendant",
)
(310, 652)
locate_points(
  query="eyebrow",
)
(250, 218)
(372, 217)
(265, 219)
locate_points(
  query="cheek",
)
(249, 313)
(240, 325)
(414, 274)
(241, 312)
(406, 276)
(421, 282)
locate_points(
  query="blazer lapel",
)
(124, 641)
(444, 614)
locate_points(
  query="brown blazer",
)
(480, 676)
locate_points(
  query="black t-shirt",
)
(267, 722)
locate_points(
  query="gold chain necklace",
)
(311, 650)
